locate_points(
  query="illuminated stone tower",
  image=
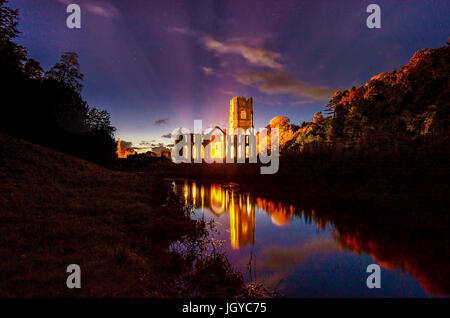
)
(241, 113)
(119, 150)
(123, 152)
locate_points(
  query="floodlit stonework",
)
(241, 113)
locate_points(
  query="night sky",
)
(157, 65)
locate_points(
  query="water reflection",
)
(294, 236)
(240, 207)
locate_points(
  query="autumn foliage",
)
(406, 106)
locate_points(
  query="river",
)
(300, 252)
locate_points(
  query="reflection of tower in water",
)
(240, 207)
(242, 220)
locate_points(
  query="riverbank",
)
(119, 227)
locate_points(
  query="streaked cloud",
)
(100, 8)
(146, 143)
(208, 70)
(161, 121)
(106, 10)
(281, 82)
(248, 48)
(285, 258)
(275, 80)
(254, 55)
(128, 144)
(228, 92)
(183, 30)
(282, 261)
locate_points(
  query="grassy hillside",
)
(56, 210)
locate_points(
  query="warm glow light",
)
(234, 224)
(122, 151)
(202, 195)
(194, 193)
(217, 199)
(186, 192)
(241, 209)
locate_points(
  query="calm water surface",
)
(296, 251)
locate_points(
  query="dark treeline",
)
(46, 107)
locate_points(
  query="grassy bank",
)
(57, 210)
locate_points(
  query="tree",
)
(49, 111)
(12, 55)
(8, 22)
(32, 69)
(320, 125)
(99, 120)
(279, 121)
(67, 71)
(334, 101)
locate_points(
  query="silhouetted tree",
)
(99, 120)
(67, 71)
(12, 55)
(8, 22)
(49, 111)
(32, 69)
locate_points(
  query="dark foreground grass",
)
(57, 210)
